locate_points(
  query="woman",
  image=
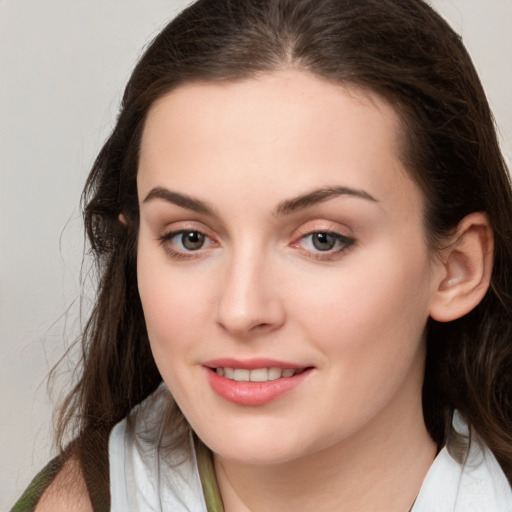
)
(302, 223)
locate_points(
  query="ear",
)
(122, 219)
(465, 269)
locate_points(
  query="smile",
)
(257, 374)
(254, 382)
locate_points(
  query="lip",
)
(253, 393)
(252, 364)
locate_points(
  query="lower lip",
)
(253, 393)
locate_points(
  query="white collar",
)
(143, 480)
(478, 484)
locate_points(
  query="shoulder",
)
(67, 492)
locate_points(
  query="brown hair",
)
(400, 49)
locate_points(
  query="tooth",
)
(274, 373)
(241, 375)
(259, 375)
(256, 375)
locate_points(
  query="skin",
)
(68, 492)
(351, 436)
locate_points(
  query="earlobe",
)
(465, 269)
(122, 219)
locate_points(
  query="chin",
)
(265, 445)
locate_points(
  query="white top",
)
(142, 479)
(477, 485)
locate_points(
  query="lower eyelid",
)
(169, 235)
(177, 253)
(341, 238)
(345, 243)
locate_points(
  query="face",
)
(282, 266)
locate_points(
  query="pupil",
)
(192, 240)
(324, 241)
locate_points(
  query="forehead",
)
(286, 127)
(290, 95)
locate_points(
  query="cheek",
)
(368, 323)
(373, 309)
(173, 303)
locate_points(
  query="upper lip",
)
(252, 364)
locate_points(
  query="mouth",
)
(257, 374)
(255, 382)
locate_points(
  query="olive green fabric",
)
(208, 478)
(36, 488)
(96, 475)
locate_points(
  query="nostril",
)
(260, 326)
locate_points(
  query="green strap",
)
(36, 488)
(92, 451)
(208, 480)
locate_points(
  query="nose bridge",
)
(248, 300)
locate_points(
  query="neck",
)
(378, 469)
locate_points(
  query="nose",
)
(249, 301)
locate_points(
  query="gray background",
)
(63, 65)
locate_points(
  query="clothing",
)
(29, 499)
(145, 477)
(478, 485)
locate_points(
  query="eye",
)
(326, 242)
(182, 243)
(323, 241)
(190, 240)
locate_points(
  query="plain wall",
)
(63, 65)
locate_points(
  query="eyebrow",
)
(285, 207)
(178, 199)
(319, 196)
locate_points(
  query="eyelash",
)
(167, 242)
(341, 244)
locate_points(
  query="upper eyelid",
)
(323, 226)
(328, 232)
(183, 226)
(169, 235)
(165, 240)
(305, 229)
(343, 238)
